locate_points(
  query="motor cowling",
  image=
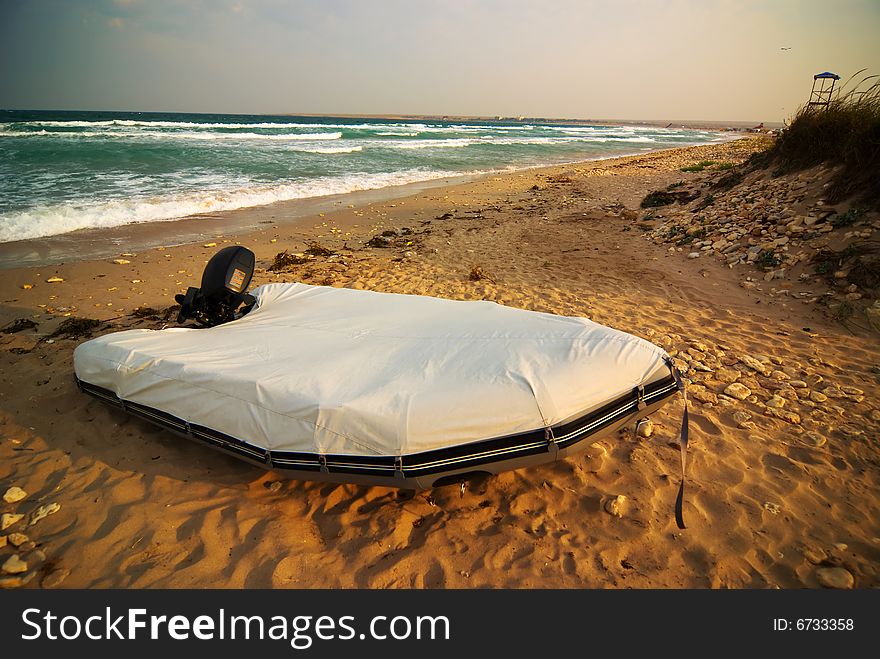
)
(223, 295)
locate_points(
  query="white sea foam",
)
(169, 124)
(180, 135)
(326, 149)
(427, 144)
(63, 218)
(395, 134)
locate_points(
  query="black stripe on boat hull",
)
(417, 470)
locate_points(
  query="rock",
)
(785, 415)
(274, 486)
(8, 519)
(738, 391)
(44, 511)
(694, 255)
(742, 419)
(835, 577)
(594, 457)
(813, 554)
(841, 546)
(2, 541)
(14, 494)
(772, 508)
(645, 428)
(727, 375)
(17, 539)
(852, 391)
(614, 506)
(756, 365)
(54, 578)
(776, 401)
(797, 384)
(14, 565)
(121, 261)
(834, 392)
(27, 286)
(54, 280)
(15, 582)
(812, 439)
(702, 394)
(750, 382)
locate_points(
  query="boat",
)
(412, 392)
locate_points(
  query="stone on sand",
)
(44, 511)
(9, 519)
(645, 428)
(12, 582)
(835, 577)
(741, 417)
(786, 415)
(814, 555)
(614, 506)
(700, 393)
(756, 365)
(14, 494)
(14, 565)
(17, 539)
(813, 439)
(776, 401)
(725, 374)
(738, 391)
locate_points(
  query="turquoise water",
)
(63, 171)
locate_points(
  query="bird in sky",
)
(785, 48)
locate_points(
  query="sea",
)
(66, 171)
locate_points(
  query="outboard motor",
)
(224, 282)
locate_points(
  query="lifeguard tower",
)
(823, 87)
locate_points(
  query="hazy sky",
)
(681, 59)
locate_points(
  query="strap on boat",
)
(682, 442)
(552, 446)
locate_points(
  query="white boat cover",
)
(338, 371)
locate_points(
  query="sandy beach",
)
(783, 476)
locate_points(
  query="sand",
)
(770, 501)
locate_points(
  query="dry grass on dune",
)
(846, 132)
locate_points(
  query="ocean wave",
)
(190, 135)
(163, 124)
(64, 218)
(427, 144)
(326, 149)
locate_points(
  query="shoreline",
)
(780, 487)
(96, 243)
